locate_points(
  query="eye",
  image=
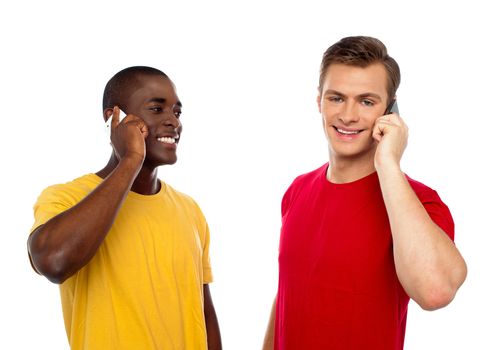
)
(366, 102)
(177, 113)
(156, 109)
(335, 99)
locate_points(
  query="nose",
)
(349, 113)
(170, 119)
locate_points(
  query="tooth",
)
(346, 132)
(166, 140)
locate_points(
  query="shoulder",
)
(176, 194)
(309, 178)
(181, 198)
(423, 192)
(57, 198)
(435, 207)
(70, 191)
(301, 183)
(186, 206)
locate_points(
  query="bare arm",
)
(68, 241)
(269, 334)
(428, 264)
(212, 326)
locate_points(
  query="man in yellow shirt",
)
(131, 254)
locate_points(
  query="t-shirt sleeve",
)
(285, 202)
(205, 240)
(50, 203)
(206, 261)
(438, 211)
(289, 197)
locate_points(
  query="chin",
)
(156, 162)
(168, 161)
(351, 152)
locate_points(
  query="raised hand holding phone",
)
(391, 132)
(108, 122)
(128, 137)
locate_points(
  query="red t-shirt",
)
(338, 287)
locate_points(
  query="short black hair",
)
(116, 88)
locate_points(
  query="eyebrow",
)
(162, 101)
(370, 94)
(333, 92)
(367, 94)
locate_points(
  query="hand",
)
(392, 134)
(128, 137)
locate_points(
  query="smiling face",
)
(155, 101)
(350, 101)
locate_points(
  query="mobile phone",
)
(392, 107)
(108, 122)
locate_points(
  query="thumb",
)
(115, 115)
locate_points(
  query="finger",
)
(394, 118)
(377, 132)
(377, 136)
(385, 125)
(392, 114)
(383, 121)
(115, 117)
(144, 129)
(380, 128)
(139, 123)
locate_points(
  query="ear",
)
(107, 113)
(319, 101)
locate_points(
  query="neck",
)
(344, 169)
(146, 181)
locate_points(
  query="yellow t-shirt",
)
(143, 289)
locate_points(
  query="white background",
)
(247, 75)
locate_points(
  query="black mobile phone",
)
(392, 108)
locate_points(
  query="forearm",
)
(269, 334)
(68, 241)
(212, 326)
(428, 265)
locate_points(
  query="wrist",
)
(132, 161)
(388, 168)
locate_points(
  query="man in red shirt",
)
(360, 238)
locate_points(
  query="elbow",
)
(50, 261)
(436, 300)
(51, 268)
(441, 295)
(52, 265)
(56, 276)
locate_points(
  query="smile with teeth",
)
(169, 140)
(348, 132)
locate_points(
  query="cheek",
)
(324, 124)
(369, 117)
(370, 121)
(327, 116)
